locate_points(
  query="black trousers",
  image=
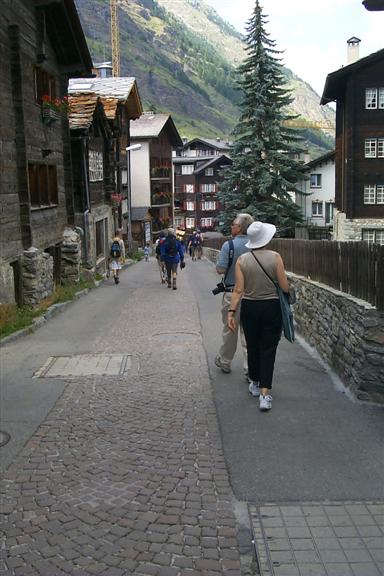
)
(261, 321)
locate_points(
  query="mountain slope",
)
(183, 56)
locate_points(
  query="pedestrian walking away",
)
(147, 251)
(159, 241)
(172, 253)
(226, 264)
(255, 294)
(195, 246)
(117, 255)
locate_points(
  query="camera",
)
(220, 287)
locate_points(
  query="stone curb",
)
(53, 311)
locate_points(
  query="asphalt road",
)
(315, 445)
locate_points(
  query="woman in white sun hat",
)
(260, 313)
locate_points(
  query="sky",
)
(312, 33)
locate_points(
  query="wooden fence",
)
(356, 268)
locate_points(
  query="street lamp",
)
(129, 149)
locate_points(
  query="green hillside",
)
(184, 66)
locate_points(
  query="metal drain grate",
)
(85, 365)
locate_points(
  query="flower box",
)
(49, 115)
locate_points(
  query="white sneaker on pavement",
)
(224, 368)
(254, 389)
(265, 403)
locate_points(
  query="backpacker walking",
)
(195, 246)
(117, 255)
(159, 241)
(171, 253)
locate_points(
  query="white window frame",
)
(381, 99)
(95, 161)
(208, 205)
(380, 147)
(206, 222)
(380, 194)
(208, 172)
(317, 209)
(373, 236)
(178, 221)
(370, 98)
(186, 169)
(189, 188)
(317, 178)
(189, 223)
(370, 148)
(369, 194)
(190, 206)
(208, 188)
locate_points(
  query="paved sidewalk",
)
(126, 475)
(319, 539)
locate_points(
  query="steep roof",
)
(140, 213)
(112, 91)
(81, 110)
(335, 82)
(212, 161)
(320, 160)
(67, 36)
(214, 143)
(149, 125)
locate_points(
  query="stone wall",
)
(7, 285)
(70, 257)
(347, 333)
(351, 230)
(37, 276)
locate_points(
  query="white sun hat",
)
(259, 234)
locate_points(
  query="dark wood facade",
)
(196, 201)
(359, 122)
(42, 45)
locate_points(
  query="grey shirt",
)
(239, 248)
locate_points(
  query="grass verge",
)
(14, 318)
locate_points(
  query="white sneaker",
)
(254, 388)
(265, 403)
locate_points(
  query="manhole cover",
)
(4, 438)
(85, 365)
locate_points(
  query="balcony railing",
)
(160, 199)
(161, 172)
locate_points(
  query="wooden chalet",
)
(93, 176)
(42, 45)
(197, 168)
(121, 103)
(358, 90)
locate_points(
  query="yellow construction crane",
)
(115, 39)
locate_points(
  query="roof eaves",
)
(335, 80)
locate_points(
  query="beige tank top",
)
(257, 285)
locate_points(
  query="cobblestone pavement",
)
(126, 475)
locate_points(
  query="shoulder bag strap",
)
(230, 258)
(264, 270)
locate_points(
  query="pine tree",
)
(264, 169)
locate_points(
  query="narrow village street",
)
(131, 453)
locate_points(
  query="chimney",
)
(353, 50)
